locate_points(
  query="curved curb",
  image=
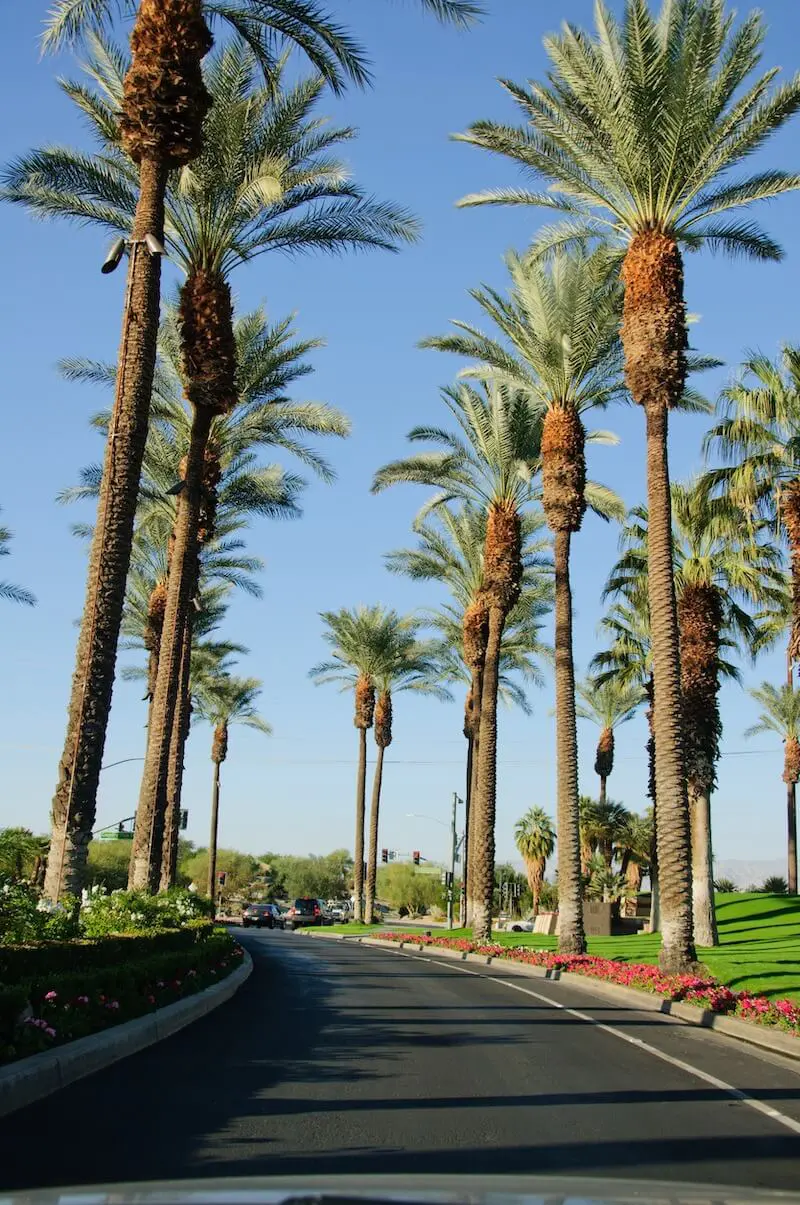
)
(28, 1080)
(731, 1027)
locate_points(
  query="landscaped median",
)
(73, 1005)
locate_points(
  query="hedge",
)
(26, 964)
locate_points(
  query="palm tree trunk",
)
(484, 798)
(571, 939)
(180, 732)
(602, 796)
(372, 857)
(148, 835)
(476, 691)
(74, 803)
(212, 840)
(535, 880)
(361, 793)
(791, 813)
(674, 842)
(705, 923)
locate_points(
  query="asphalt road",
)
(338, 1058)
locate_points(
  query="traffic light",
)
(184, 819)
(384, 855)
(415, 857)
(222, 877)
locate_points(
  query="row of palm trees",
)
(635, 135)
(217, 162)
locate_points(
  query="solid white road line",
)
(787, 1122)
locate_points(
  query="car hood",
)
(395, 1190)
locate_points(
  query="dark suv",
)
(306, 911)
(266, 916)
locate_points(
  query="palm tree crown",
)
(639, 127)
(7, 589)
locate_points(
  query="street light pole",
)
(451, 892)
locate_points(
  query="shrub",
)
(24, 917)
(775, 885)
(725, 886)
(138, 912)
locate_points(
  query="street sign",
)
(114, 835)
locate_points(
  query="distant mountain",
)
(745, 873)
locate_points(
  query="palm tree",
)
(7, 589)
(607, 704)
(224, 700)
(535, 839)
(757, 437)
(636, 134)
(264, 182)
(359, 639)
(635, 848)
(560, 348)
(601, 827)
(720, 566)
(266, 26)
(406, 664)
(450, 552)
(488, 464)
(781, 714)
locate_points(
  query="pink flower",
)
(51, 995)
(82, 1000)
(51, 1033)
(151, 999)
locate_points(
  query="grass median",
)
(758, 951)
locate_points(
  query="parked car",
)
(339, 910)
(261, 916)
(306, 911)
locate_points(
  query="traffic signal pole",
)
(453, 849)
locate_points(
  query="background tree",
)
(633, 153)
(602, 826)
(22, 854)
(535, 838)
(635, 845)
(224, 700)
(607, 704)
(781, 714)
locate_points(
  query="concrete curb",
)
(28, 1080)
(732, 1027)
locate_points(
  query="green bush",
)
(138, 912)
(24, 916)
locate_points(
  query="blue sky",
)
(294, 792)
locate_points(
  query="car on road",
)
(306, 911)
(261, 916)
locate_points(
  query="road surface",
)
(340, 1058)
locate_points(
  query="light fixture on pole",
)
(114, 256)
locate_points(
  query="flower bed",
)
(60, 1006)
(703, 991)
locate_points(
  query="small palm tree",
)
(7, 589)
(781, 714)
(636, 134)
(360, 639)
(602, 826)
(489, 464)
(406, 664)
(559, 347)
(535, 838)
(450, 552)
(607, 704)
(722, 565)
(635, 844)
(224, 700)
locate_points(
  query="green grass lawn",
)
(758, 951)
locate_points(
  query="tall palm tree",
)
(489, 464)
(266, 26)
(264, 182)
(721, 567)
(560, 348)
(607, 704)
(224, 700)
(7, 589)
(161, 103)
(636, 134)
(781, 714)
(535, 838)
(359, 639)
(406, 664)
(758, 439)
(450, 552)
